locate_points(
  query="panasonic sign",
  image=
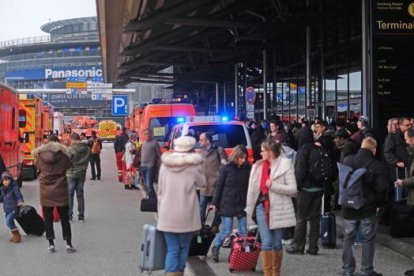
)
(91, 72)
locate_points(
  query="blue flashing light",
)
(180, 119)
(225, 118)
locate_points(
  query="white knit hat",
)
(184, 144)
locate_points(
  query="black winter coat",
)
(306, 145)
(395, 149)
(375, 184)
(231, 190)
(120, 142)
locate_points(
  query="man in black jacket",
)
(308, 199)
(119, 146)
(375, 186)
(395, 148)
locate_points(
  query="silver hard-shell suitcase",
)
(153, 249)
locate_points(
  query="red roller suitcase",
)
(244, 254)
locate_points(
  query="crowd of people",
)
(281, 192)
(285, 189)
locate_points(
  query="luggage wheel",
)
(231, 270)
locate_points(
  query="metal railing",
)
(25, 41)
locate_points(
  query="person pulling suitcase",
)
(12, 200)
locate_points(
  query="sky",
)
(23, 18)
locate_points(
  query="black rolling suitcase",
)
(402, 215)
(328, 228)
(201, 242)
(30, 221)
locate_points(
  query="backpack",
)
(351, 182)
(320, 167)
(96, 147)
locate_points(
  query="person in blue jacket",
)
(12, 199)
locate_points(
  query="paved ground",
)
(108, 241)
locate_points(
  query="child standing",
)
(12, 198)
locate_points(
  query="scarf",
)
(264, 190)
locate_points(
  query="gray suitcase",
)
(153, 249)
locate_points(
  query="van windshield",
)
(226, 136)
(162, 126)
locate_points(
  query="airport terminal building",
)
(69, 53)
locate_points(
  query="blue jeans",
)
(10, 216)
(227, 226)
(204, 201)
(368, 228)
(271, 238)
(76, 184)
(178, 246)
(148, 174)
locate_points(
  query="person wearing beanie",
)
(12, 199)
(181, 174)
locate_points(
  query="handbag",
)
(149, 205)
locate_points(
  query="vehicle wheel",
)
(34, 173)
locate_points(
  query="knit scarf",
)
(264, 190)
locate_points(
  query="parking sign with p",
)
(119, 105)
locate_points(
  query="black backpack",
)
(320, 167)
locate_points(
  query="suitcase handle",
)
(147, 246)
(255, 239)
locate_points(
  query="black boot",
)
(215, 253)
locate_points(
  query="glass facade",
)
(313, 72)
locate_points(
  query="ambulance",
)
(59, 126)
(47, 121)
(85, 125)
(31, 130)
(107, 130)
(10, 148)
(161, 118)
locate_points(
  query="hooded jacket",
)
(11, 196)
(79, 156)
(181, 174)
(306, 144)
(282, 212)
(53, 160)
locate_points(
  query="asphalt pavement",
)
(108, 242)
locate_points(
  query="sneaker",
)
(312, 252)
(127, 187)
(133, 187)
(358, 244)
(51, 249)
(70, 249)
(81, 220)
(98, 178)
(92, 178)
(287, 242)
(409, 272)
(294, 249)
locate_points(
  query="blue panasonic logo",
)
(75, 73)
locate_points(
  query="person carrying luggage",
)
(181, 174)
(230, 196)
(374, 190)
(53, 160)
(272, 185)
(12, 200)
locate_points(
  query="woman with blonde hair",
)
(272, 184)
(230, 196)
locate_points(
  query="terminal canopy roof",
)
(203, 39)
